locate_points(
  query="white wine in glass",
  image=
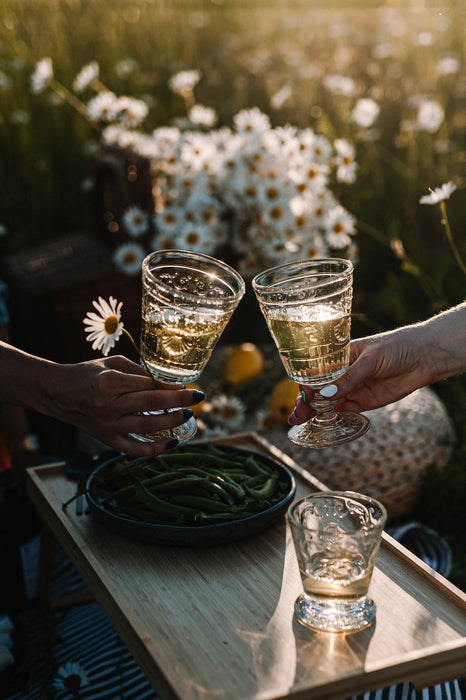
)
(187, 300)
(307, 307)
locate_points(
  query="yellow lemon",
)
(282, 399)
(242, 363)
(196, 408)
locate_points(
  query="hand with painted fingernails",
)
(388, 366)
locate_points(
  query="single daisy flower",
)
(339, 227)
(103, 107)
(345, 161)
(136, 221)
(439, 194)
(71, 676)
(128, 258)
(430, 116)
(86, 77)
(105, 327)
(227, 411)
(130, 111)
(365, 112)
(126, 67)
(280, 97)
(340, 85)
(42, 76)
(184, 81)
(251, 120)
(202, 116)
(448, 65)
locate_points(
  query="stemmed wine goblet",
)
(187, 300)
(307, 307)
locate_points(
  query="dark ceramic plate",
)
(202, 535)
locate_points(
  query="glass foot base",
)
(183, 433)
(330, 615)
(349, 427)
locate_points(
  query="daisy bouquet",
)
(258, 191)
(253, 193)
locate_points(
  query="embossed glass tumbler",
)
(336, 537)
(307, 307)
(187, 300)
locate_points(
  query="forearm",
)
(443, 339)
(27, 380)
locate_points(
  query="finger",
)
(302, 412)
(149, 424)
(357, 373)
(155, 400)
(136, 448)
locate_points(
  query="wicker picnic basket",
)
(388, 463)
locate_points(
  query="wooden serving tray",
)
(217, 623)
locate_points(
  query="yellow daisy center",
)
(110, 325)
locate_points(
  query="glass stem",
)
(326, 416)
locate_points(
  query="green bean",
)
(150, 482)
(160, 505)
(200, 502)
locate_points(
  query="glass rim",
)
(302, 265)
(351, 494)
(216, 263)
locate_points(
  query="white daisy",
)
(128, 258)
(42, 76)
(340, 85)
(105, 329)
(339, 227)
(280, 97)
(313, 248)
(227, 411)
(71, 676)
(184, 81)
(345, 161)
(136, 221)
(365, 112)
(131, 112)
(430, 116)
(251, 121)
(439, 194)
(198, 151)
(126, 67)
(197, 237)
(86, 76)
(103, 107)
(202, 116)
(448, 65)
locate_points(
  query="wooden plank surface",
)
(217, 623)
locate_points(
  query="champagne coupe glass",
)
(187, 300)
(307, 307)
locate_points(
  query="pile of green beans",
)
(189, 486)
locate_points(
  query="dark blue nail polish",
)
(171, 444)
(198, 396)
(187, 413)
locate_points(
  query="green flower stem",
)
(72, 100)
(446, 223)
(139, 353)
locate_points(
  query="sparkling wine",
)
(313, 342)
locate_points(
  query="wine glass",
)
(307, 307)
(187, 300)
